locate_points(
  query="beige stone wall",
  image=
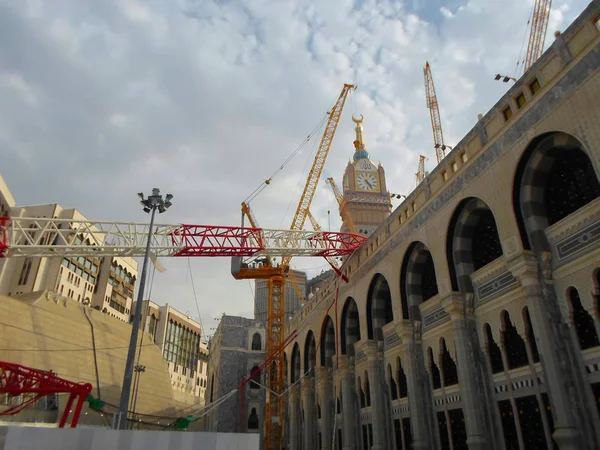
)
(45, 333)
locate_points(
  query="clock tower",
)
(365, 191)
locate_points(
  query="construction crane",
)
(343, 207)
(275, 275)
(537, 34)
(434, 112)
(420, 175)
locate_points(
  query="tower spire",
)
(360, 152)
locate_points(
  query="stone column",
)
(379, 422)
(325, 392)
(294, 411)
(349, 407)
(567, 387)
(309, 440)
(419, 389)
(473, 406)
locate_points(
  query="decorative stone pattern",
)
(392, 340)
(437, 317)
(578, 242)
(494, 288)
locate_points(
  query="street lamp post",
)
(152, 204)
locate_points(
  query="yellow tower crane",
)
(344, 213)
(275, 276)
(434, 111)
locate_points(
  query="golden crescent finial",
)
(355, 120)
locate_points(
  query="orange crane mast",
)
(275, 275)
(537, 35)
(434, 112)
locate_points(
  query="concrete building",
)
(292, 300)
(179, 338)
(106, 284)
(471, 318)
(46, 331)
(236, 350)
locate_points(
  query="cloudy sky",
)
(206, 98)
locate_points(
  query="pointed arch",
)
(473, 242)
(295, 369)
(327, 342)
(310, 353)
(350, 329)
(379, 307)
(256, 341)
(554, 178)
(418, 281)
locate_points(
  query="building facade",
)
(293, 302)
(106, 284)
(471, 316)
(236, 351)
(179, 338)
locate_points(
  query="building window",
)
(454, 166)
(521, 100)
(534, 86)
(597, 23)
(507, 113)
(256, 342)
(25, 272)
(444, 175)
(464, 157)
(414, 206)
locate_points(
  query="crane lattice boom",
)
(23, 236)
(537, 35)
(317, 168)
(343, 207)
(434, 111)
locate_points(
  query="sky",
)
(205, 99)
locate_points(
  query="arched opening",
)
(310, 354)
(295, 363)
(361, 393)
(582, 321)
(493, 350)
(256, 342)
(449, 372)
(212, 387)
(367, 390)
(392, 383)
(554, 178)
(513, 343)
(285, 369)
(255, 375)
(402, 381)
(473, 242)
(253, 420)
(434, 371)
(350, 332)
(530, 336)
(327, 342)
(338, 406)
(379, 307)
(418, 280)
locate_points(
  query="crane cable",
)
(265, 183)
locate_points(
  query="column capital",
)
(524, 268)
(323, 375)
(371, 349)
(454, 304)
(404, 329)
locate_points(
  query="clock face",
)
(367, 181)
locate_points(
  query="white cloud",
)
(205, 99)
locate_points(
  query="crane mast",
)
(434, 112)
(537, 35)
(420, 175)
(346, 217)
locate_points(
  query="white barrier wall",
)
(31, 438)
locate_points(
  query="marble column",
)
(325, 393)
(568, 388)
(420, 398)
(349, 404)
(381, 423)
(474, 408)
(294, 411)
(309, 440)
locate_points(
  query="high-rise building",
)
(365, 191)
(179, 338)
(106, 284)
(292, 299)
